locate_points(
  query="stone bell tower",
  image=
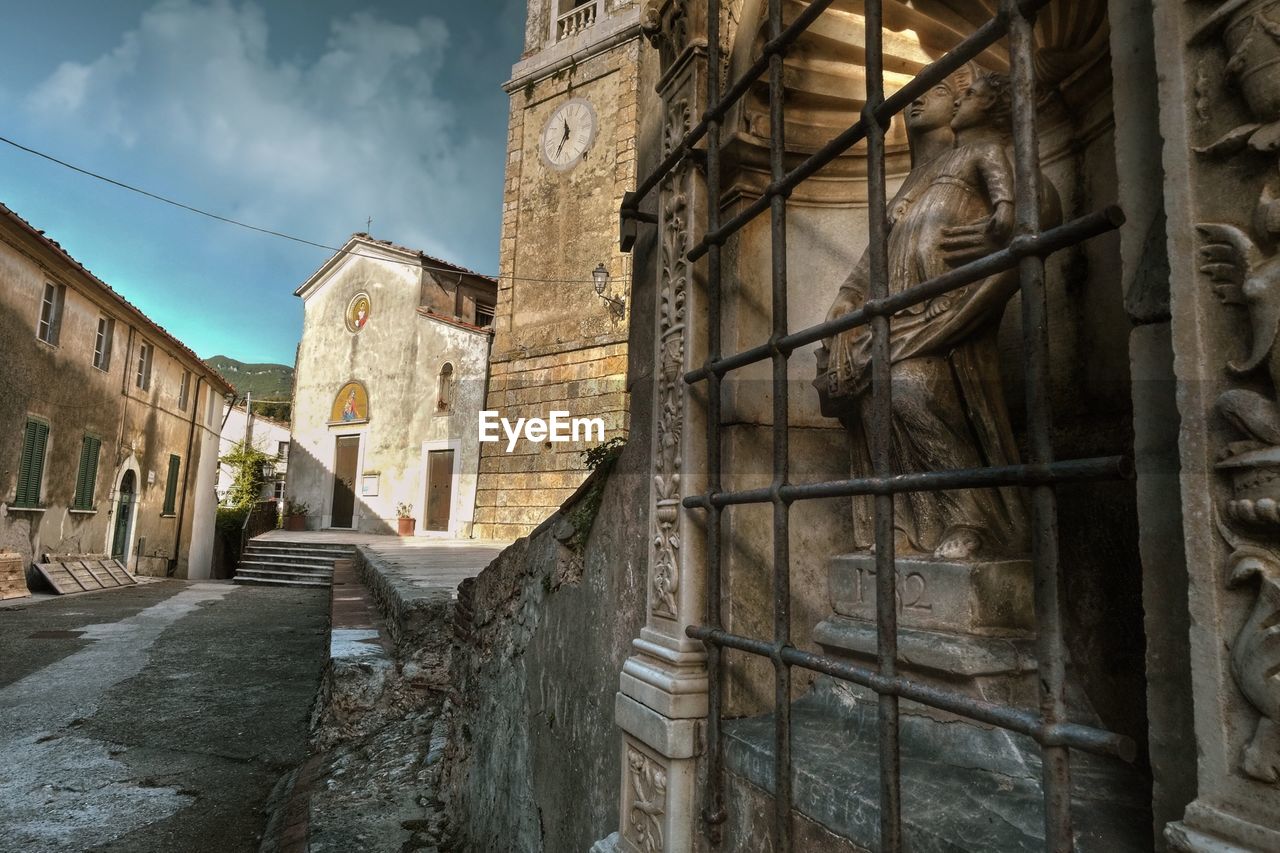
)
(558, 345)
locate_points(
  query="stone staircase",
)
(275, 563)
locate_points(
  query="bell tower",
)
(560, 325)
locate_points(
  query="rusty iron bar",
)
(880, 434)
(1046, 243)
(1074, 735)
(782, 794)
(1050, 474)
(717, 108)
(713, 812)
(1047, 576)
(949, 62)
(932, 74)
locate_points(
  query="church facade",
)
(390, 379)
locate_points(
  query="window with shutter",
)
(171, 485)
(87, 475)
(31, 467)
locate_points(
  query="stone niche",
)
(1090, 392)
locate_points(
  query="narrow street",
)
(155, 718)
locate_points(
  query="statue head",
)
(932, 110)
(987, 101)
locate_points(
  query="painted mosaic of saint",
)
(351, 405)
(358, 313)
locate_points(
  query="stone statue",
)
(957, 204)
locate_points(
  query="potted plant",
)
(404, 519)
(295, 514)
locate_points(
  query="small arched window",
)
(444, 388)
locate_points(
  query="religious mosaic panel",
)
(357, 312)
(351, 406)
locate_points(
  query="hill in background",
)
(264, 381)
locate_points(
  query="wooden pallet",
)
(71, 574)
(13, 576)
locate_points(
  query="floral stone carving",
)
(1244, 268)
(673, 283)
(648, 781)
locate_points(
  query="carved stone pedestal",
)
(965, 627)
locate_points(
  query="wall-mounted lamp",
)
(601, 277)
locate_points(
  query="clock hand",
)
(564, 138)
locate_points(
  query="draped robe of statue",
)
(948, 403)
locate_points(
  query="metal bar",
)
(1050, 650)
(717, 108)
(781, 509)
(1050, 474)
(932, 74)
(880, 435)
(714, 813)
(1087, 738)
(1046, 243)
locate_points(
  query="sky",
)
(302, 116)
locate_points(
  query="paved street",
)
(155, 718)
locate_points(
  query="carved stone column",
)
(1220, 119)
(663, 695)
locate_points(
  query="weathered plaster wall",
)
(398, 356)
(556, 345)
(138, 429)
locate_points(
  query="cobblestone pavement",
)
(154, 718)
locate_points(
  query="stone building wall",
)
(398, 356)
(139, 429)
(557, 346)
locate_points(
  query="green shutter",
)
(171, 486)
(87, 476)
(31, 467)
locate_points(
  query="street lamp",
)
(600, 275)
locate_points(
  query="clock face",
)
(568, 134)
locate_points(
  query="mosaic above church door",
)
(351, 406)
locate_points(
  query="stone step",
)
(254, 581)
(247, 572)
(286, 557)
(307, 553)
(268, 565)
(327, 547)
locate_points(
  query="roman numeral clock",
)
(568, 134)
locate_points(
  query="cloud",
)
(195, 95)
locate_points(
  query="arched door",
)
(124, 514)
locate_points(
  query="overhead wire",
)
(269, 231)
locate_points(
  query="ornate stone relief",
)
(1243, 266)
(673, 282)
(648, 782)
(666, 25)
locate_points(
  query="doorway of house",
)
(439, 489)
(124, 514)
(345, 458)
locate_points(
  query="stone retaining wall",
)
(533, 758)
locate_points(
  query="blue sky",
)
(303, 116)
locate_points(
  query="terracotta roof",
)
(454, 321)
(56, 248)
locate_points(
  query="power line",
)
(268, 231)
